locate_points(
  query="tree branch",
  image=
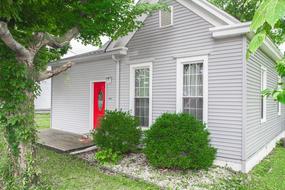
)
(49, 74)
(8, 39)
(59, 42)
(44, 38)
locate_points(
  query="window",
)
(192, 87)
(166, 17)
(263, 98)
(142, 96)
(141, 93)
(279, 107)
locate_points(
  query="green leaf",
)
(256, 42)
(280, 67)
(281, 97)
(275, 11)
(259, 17)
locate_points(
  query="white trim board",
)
(261, 154)
(263, 75)
(159, 15)
(228, 164)
(179, 83)
(250, 163)
(132, 87)
(234, 30)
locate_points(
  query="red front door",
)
(99, 103)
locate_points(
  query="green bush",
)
(179, 141)
(108, 156)
(119, 132)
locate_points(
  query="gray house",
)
(193, 60)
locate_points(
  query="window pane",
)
(193, 89)
(165, 17)
(186, 103)
(200, 79)
(200, 114)
(200, 90)
(142, 111)
(200, 103)
(186, 69)
(192, 69)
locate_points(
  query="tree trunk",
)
(20, 160)
(26, 146)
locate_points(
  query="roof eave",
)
(244, 29)
(90, 57)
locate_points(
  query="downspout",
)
(117, 61)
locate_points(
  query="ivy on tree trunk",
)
(33, 34)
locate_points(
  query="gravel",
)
(136, 166)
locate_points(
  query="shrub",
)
(179, 141)
(108, 156)
(119, 132)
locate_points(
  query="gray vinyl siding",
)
(71, 95)
(190, 36)
(259, 134)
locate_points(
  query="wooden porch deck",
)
(63, 141)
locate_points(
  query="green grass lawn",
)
(42, 121)
(65, 172)
(268, 175)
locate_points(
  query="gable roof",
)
(224, 25)
(203, 8)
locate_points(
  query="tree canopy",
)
(244, 11)
(268, 18)
(32, 34)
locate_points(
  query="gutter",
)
(117, 61)
(92, 56)
(243, 29)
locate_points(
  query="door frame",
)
(91, 101)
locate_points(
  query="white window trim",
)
(179, 83)
(171, 9)
(132, 88)
(263, 87)
(279, 104)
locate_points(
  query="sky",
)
(78, 48)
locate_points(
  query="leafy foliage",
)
(268, 18)
(243, 10)
(179, 141)
(40, 29)
(119, 132)
(108, 156)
